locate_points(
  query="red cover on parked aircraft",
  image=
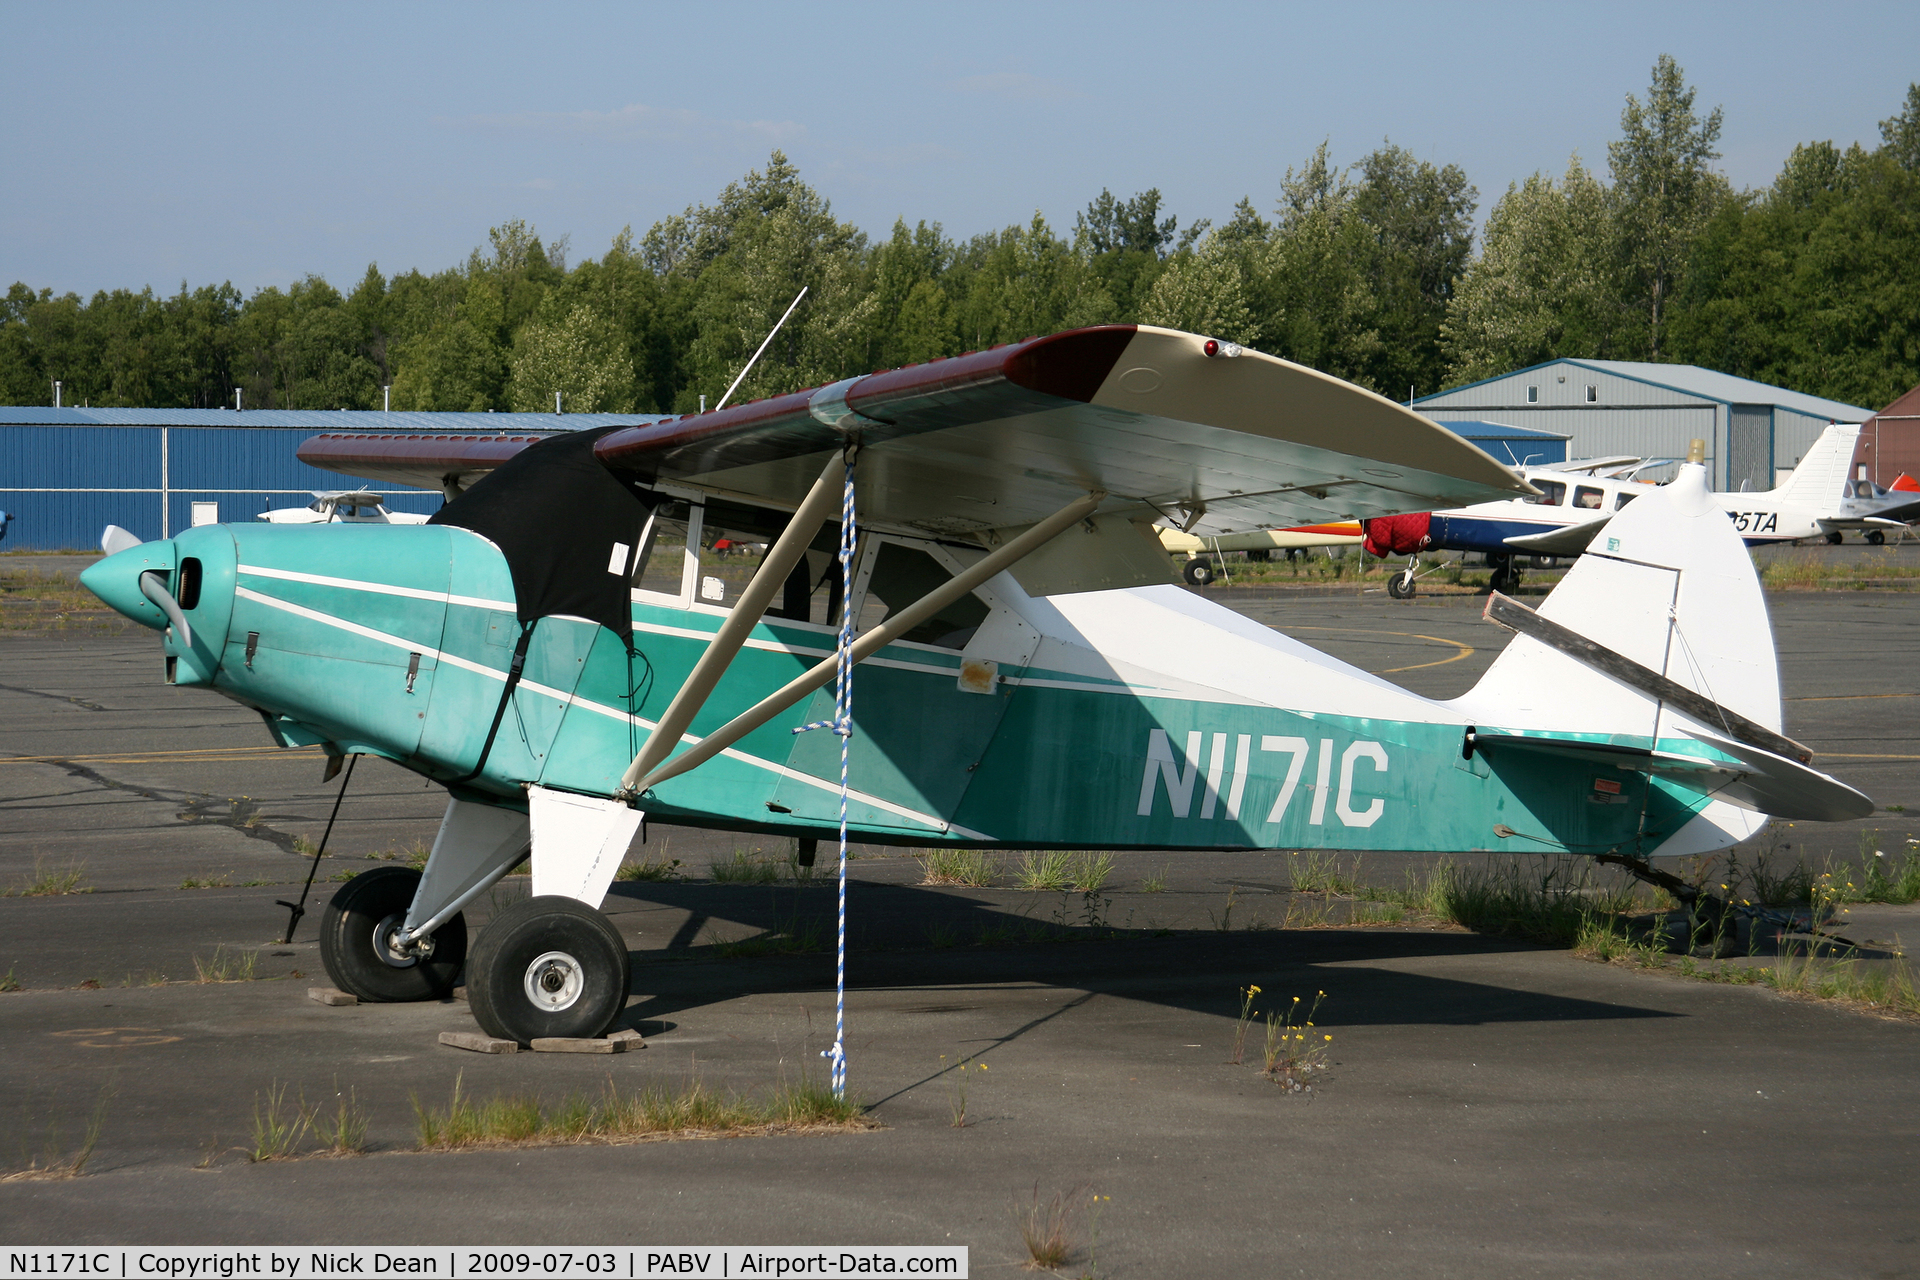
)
(1397, 535)
(1905, 484)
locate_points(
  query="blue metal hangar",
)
(65, 474)
(1754, 432)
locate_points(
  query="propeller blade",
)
(153, 585)
(114, 540)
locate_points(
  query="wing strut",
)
(873, 641)
(746, 614)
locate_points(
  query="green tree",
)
(1900, 135)
(1664, 189)
(1421, 216)
(1312, 280)
(1203, 292)
(576, 353)
(1126, 244)
(1545, 283)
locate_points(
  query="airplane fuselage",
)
(1139, 718)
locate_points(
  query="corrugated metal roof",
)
(1711, 384)
(1685, 379)
(1481, 430)
(322, 419)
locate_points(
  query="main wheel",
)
(1401, 585)
(1504, 580)
(359, 950)
(1198, 572)
(548, 966)
(1876, 537)
(1834, 538)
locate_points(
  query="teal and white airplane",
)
(565, 651)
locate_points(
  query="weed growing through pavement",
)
(1155, 883)
(226, 966)
(756, 866)
(53, 1163)
(1094, 1205)
(9, 982)
(655, 1111)
(343, 1132)
(1046, 1227)
(1044, 870)
(47, 882)
(1087, 870)
(957, 1090)
(1247, 993)
(1223, 923)
(1295, 1052)
(278, 1125)
(657, 869)
(973, 868)
(224, 882)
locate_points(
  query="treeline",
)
(1368, 271)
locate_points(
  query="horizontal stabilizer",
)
(1568, 541)
(1754, 779)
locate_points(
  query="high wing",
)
(1590, 466)
(998, 439)
(1570, 540)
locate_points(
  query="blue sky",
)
(144, 144)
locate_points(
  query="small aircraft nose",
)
(116, 580)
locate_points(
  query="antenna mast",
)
(763, 346)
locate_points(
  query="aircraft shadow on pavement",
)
(889, 948)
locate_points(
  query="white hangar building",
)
(1754, 433)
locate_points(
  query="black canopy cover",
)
(561, 518)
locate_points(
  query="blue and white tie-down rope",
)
(842, 724)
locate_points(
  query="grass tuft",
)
(225, 966)
(974, 868)
(1046, 1227)
(278, 1125)
(58, 1165)
(47, 882)
(651, 869)
(1044, 870)
(655, 1111)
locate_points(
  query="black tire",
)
(1401, 586)
(1834, 538)
(366, 907)
(1876, 537)
(553, 944)
(1198, 572)
(1504, 581)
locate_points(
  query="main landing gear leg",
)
(1711, 922)
(1505, 578)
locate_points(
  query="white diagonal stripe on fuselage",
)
(568, 699)
(377, 588)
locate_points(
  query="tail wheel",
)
(548, 966)
(1401, 585)
(361, 949)
(1198, 572)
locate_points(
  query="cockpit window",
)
(1551, 493)
(1621, 501)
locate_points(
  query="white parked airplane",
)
(1577, 499)
(342, 506)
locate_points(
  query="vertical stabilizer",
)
(1668, 584)
(1820, 479)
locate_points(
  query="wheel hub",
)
(390, 946)
(554, 982)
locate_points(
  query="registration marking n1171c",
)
(1163, 768)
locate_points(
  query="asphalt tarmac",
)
(1494, 1109)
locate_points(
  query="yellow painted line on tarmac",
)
(195, 756)
(1466, 650)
